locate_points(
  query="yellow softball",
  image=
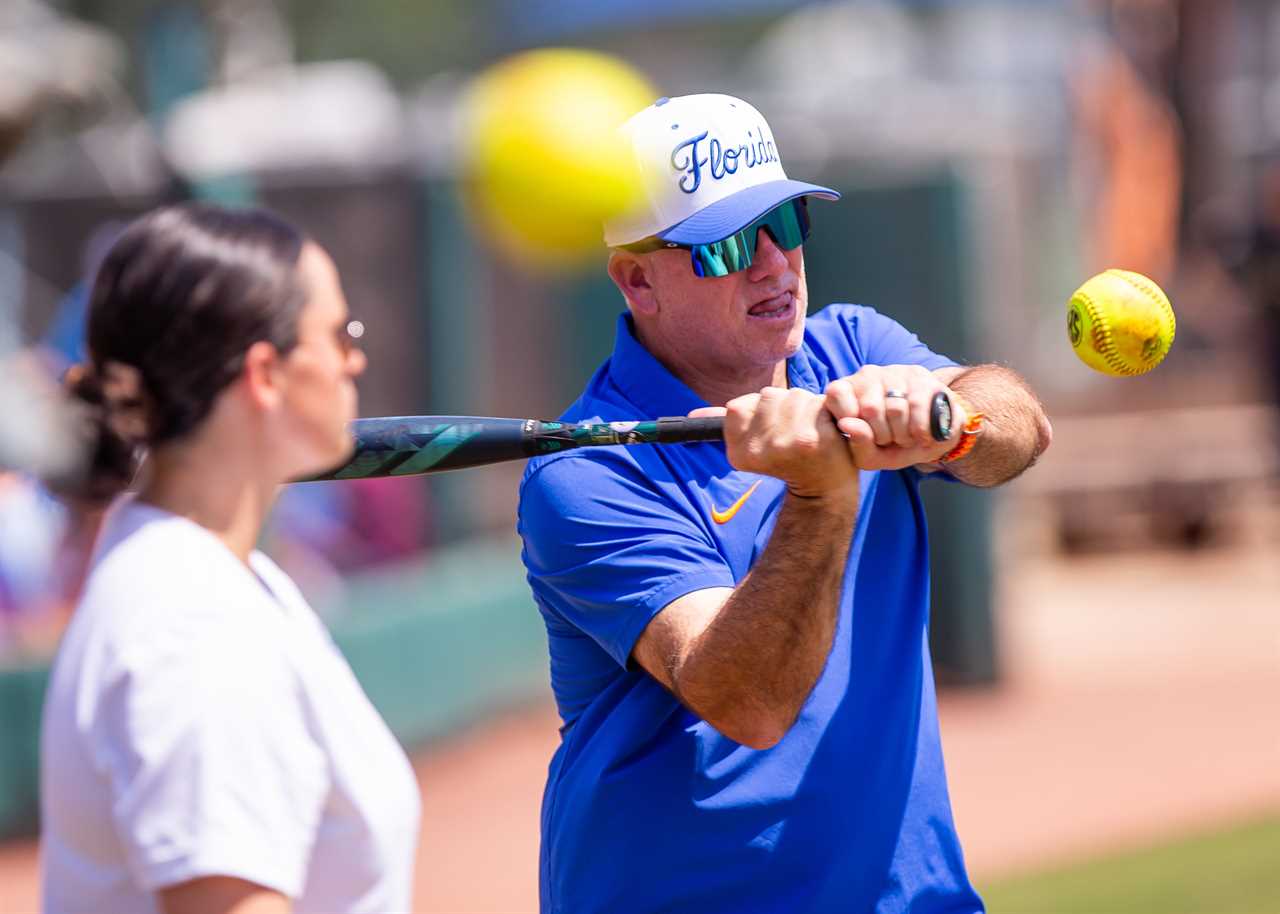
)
(543, 162)
(1120, 323)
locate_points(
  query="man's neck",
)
(718, 391)
(716, 387)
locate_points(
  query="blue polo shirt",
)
(647, 807)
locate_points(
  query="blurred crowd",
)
(1150, 130)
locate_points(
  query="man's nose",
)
(770, 260)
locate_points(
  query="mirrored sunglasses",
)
(787, 224)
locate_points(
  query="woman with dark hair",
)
(205, 746)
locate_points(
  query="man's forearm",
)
(751, 670)
(1015, 430)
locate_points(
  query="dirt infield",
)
(1138, 702)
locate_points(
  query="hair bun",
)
(115, 427)
(81, 382)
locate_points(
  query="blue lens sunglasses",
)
(787, 224)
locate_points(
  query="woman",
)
(205, 746)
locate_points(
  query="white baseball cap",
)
(710, 168)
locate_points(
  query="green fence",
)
(21, 696)
(447, 643)
(436, 645)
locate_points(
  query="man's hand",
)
(790, 435)
(883, 410)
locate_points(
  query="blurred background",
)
(1106, 629)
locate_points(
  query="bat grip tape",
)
(680, 428)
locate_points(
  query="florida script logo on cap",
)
(710, 166)
(692, 156)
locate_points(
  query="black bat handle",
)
(673, 429)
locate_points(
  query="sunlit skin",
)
(222, 895)
(724, 336)
(285, 416)
(319, 392)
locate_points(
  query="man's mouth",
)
(776, 307)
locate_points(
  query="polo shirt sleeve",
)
(846, 337)
(211, 765)
(607, 547)
(884, 341)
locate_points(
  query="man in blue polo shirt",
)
(738, 632)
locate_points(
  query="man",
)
(738, 632)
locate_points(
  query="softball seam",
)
(1140, 282)
(1100, 337)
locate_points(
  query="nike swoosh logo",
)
(723, 517)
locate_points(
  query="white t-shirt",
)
(201, 722)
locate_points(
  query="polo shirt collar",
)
(805, 371)
(648, 384)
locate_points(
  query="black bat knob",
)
(940, 416)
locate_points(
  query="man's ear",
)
(631, 274)
(261, 375)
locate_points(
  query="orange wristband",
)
(968, 435)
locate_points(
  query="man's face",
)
(745, 322)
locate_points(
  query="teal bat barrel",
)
(414, 445)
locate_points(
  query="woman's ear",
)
(262, 375)
(631, 274)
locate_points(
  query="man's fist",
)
(788, 434)
(884, 411)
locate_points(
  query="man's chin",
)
(790, 337)
(781, 351)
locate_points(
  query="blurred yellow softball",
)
(543, 163)
(1120, 323)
